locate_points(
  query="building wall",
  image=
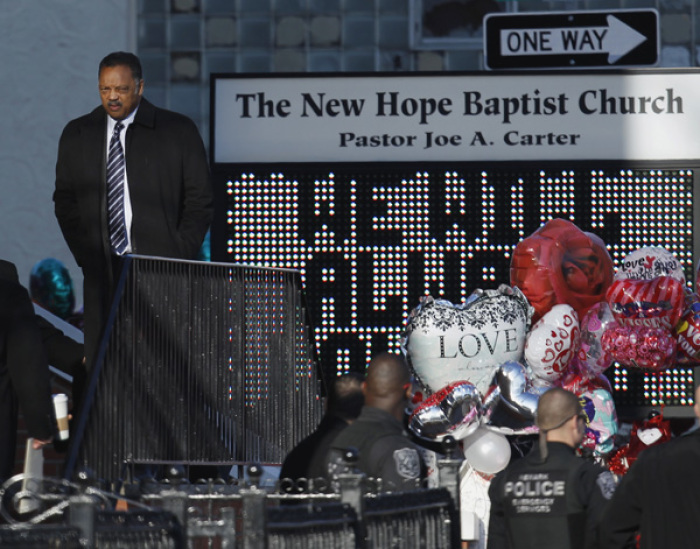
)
(182, 41)
(50, 51)
(52, 48)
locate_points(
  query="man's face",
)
(119, 92)
(581, 425)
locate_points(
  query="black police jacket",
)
(385, 451)
(556, 504)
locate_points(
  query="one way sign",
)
(614, 39)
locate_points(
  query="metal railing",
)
(175, 513)
(202, 363)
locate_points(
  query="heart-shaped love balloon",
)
(446, 343)
(552, 343)
(656, 303)
(453, 410)
(648, 263)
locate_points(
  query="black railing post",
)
(352, 492)
(448, 478)
(254, 512)
(175, 499)
(448, 469)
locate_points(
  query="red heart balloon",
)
(561, 264)
(656, 303)
(688, 337)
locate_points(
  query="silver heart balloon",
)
(516, 390)
(454, 410)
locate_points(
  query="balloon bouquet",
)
(562, 321)
(454, 352)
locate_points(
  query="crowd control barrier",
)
(175, 513)
(201, 363)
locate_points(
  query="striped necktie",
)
(115, 192)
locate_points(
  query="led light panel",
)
(370, 240)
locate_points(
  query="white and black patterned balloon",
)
(468, 342)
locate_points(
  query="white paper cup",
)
(60, 404)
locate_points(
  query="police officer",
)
(551, 498)
(659, 497)
(385, 451)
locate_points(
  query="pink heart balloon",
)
(591, 355)
(640, 346)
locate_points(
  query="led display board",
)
(371, 237)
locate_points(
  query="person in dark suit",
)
(165, 205)
(24, 371)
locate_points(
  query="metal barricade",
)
(155, 529)
(40, 537)
(420, 519)
(89, 527)
(174, 513)
(202, 363)
(312, 526)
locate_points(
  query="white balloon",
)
(487, 451)
(650, 262)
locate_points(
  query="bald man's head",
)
(560, 419)
(386, 383)
(556, 406)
